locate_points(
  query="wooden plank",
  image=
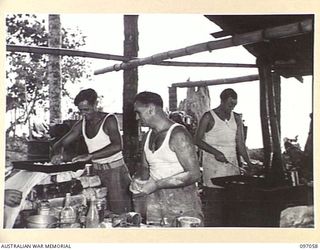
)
(64, 52)
(205, 64)
(79, 53)
(241, 39)
(216, 82)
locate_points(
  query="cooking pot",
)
(42, 221)
(187, 221)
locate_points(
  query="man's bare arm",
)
(181, 143)
(240, 139)
(68, 138)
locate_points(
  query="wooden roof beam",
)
(64, 52)
(241, 39)
(205, 64)
(203, 83)
(69, 52)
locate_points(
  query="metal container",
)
(89, 169)
(294, 178)
(44, 207)
(187, 221)
(42, 221)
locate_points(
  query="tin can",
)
(89, 169)
(44, 207)
(294, 178)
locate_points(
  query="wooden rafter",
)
(216, 82)
(88, 54)
(64, 52)
(241, 39)
(205, 64)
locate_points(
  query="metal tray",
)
(240, 180)
(31, 166)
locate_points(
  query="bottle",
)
(68, 214)
(82, 212)
(92, 219)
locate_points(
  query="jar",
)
(89, 168)
(44, 207)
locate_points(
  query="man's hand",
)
(57, 159)
(136, 185)
(12, 197)
(220, 157)
(82, 158)
(147, 188)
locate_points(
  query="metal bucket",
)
(42, 221)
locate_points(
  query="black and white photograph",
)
(158, 121)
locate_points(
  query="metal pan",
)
(39, 166)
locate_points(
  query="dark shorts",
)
(117, 181)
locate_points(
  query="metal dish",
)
(42, 221)
(40, 166)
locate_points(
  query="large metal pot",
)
(42, 221)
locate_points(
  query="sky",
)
(163, 32)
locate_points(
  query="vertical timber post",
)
(130, 88)
(264, 68)
(270, 118)
(172, 98)
(274, 107)
(54, 71)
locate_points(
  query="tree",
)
(54, 68)
(26, 75)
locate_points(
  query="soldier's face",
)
(142, 113)
(230, 103)
(86, 109)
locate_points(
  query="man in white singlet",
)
(170, 168)
(220, 136)
(103, 139)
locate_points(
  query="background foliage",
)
(26, 75)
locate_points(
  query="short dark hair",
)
(225, 94)
(149, 98)
(89, 95)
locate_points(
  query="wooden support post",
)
(172, 98)
(264, 68)
(277, 91)
(130, 88)
(277, 163)
(270, 115)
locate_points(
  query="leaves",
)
(27, 72)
